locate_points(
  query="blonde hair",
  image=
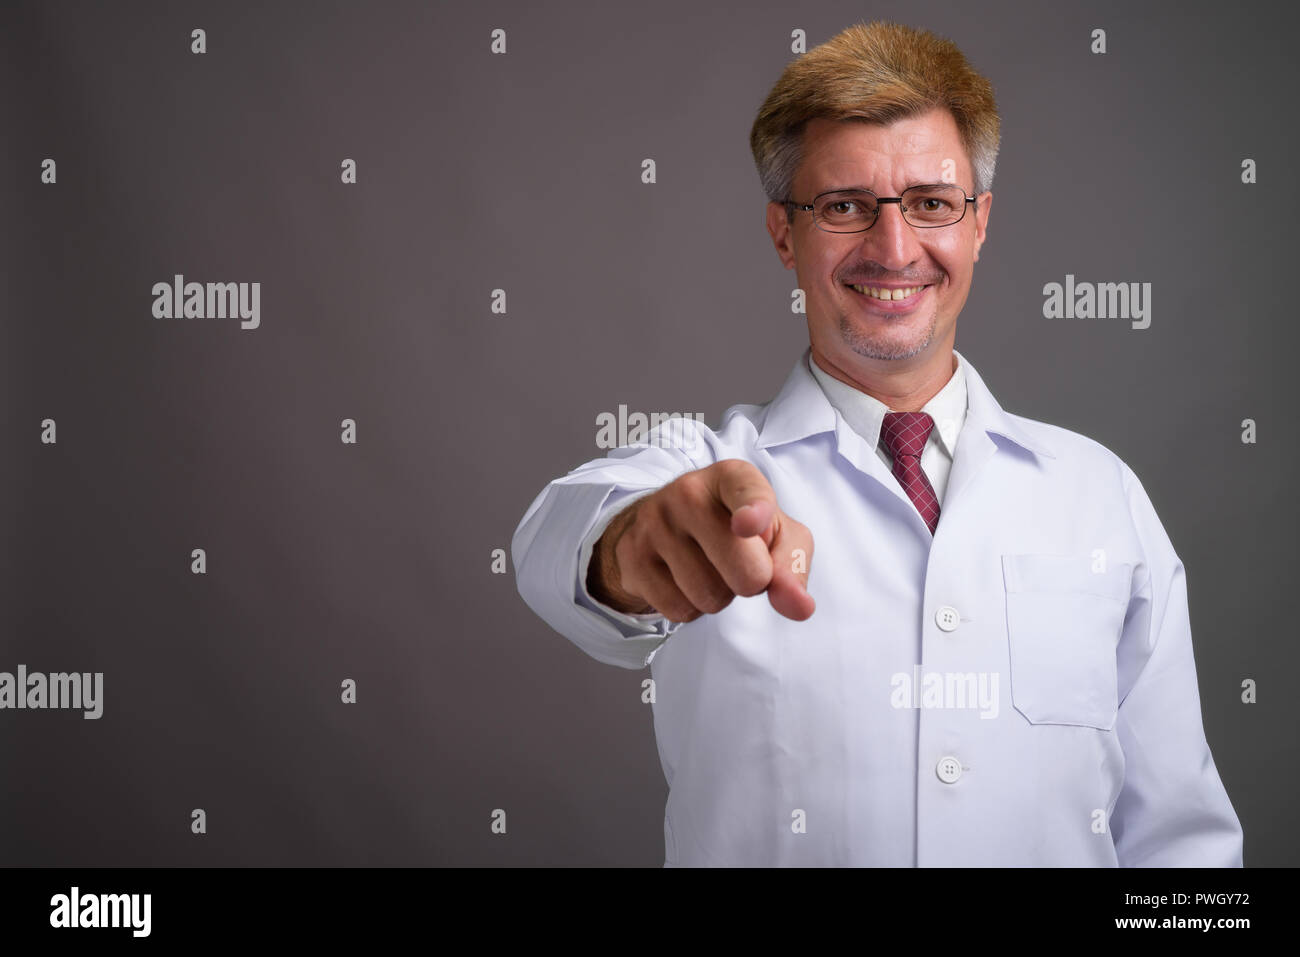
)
(878, 72)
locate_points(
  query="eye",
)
(933, 201)
(931, 204)
(850, 207)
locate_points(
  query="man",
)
(989, 662)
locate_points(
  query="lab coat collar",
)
(801, 409)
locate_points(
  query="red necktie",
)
(904, 434)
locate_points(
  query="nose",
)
(891, 240)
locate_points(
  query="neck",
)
(901, 387)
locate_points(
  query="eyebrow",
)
(867, 189)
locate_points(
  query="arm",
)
(553, 543)
(1172, 810)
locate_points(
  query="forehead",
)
(840, 153)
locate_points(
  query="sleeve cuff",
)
(629, 624)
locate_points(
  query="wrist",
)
(604, 582)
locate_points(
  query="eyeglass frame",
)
(879, 201)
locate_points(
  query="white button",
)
(946, 618)
(949, 770)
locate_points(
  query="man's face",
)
(847, 327)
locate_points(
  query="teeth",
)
(890, 294)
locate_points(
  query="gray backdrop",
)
(521, 172)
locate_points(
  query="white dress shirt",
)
(1017, 689)
(865, 414)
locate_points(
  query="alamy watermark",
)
(179, 299)
(661, 429)
(35, 690)
(946, 689)
(1102, 300)
(76, 909)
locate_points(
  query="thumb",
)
(755, 518)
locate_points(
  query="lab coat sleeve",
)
(551, 548)
(1172, 809)
(631, 625)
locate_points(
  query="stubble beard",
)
(890, 345)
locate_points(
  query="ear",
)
(983, 203)
(778, 227)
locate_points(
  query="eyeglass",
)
(856, 210)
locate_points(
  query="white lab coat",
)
(1016, 690)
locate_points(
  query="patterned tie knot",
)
(904, 433)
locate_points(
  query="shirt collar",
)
(802, 409)
(865, 414)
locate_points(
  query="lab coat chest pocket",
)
(1065, 614)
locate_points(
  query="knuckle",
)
(694, 492)
(717, 600)
(650, 510)
(750, 583)
(631, 582)
(628, 552)
(672, 604)
(741, 474)
(665, 605)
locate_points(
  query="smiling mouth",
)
(889, 295)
